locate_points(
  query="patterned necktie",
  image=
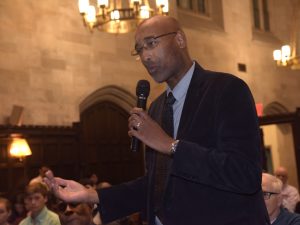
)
(163, 162)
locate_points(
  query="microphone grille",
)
(143, 88)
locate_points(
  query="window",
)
(197, 6)
(201, 14)
(261, 15)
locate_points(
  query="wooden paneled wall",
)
(55, 147)
(98, 144)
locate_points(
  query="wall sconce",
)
(289, 55)
(19, 148)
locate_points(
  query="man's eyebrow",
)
(145, 38)
(151, 36)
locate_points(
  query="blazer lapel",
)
(193, 93)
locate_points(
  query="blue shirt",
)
(179, 92)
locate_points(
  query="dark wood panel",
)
(106, 143)
(56, 147)
(99, 144)
(294, 120)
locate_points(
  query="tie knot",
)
(170, 99)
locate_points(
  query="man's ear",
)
(181, 40)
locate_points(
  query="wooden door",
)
(105, 145)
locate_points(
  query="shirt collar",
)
(41, 215)
(181, 88)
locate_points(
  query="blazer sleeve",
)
(122, 200)
(233, 162)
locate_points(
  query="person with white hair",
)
(272, 191)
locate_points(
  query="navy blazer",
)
(215, 177)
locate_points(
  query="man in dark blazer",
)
(213, 154)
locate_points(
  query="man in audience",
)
(278, 215)
(77, 214)
(39, 213)
(5, 211)
(94, 179)
(289, 193)
(41, 175)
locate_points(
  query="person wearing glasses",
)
(272, 192)
(204, 167)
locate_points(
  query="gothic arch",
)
(112, 93)
(275, 108)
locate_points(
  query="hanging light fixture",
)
(19, 148)
(288, 55)
(119, 16)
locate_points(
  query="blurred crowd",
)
(37, 205)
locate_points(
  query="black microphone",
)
(142, 93)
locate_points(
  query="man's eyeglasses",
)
(148, 43)
(267, 195)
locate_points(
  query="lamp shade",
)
(19, 148)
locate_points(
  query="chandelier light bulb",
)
(102, 3)
(165, 8)
(91, 14)
(144, 12)
(160, 3)
(286, 52)
(115, 15)
(83, 6)
(277, 54)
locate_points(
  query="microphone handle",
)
(141, 102)
(135, 142)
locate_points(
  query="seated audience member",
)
(86, 182)
(94, 179)
(77, 214)
(19, 211)
(289, 193)
(278, 215)
(27, 204)
(39, 178)
(36, 197)
(5, 211)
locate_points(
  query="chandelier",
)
(118, 16)
(288, 55)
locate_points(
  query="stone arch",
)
(112, 93)
(275, 108)
(104, 136)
